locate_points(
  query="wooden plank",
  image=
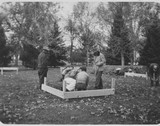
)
(135, 74)
(53, 91)
(8, 68)
(88, 93)
(78, 94)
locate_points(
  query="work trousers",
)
(154, 82)
(80, 86)
(42, 73)
(154, 78)
(99, 83)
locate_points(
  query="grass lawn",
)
(22, 103)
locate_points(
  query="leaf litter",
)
(132, 102)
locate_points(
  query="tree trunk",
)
(87, 60)
(122, 59)
(71, 51)
(134, 57)
(16, 60)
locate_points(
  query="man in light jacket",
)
(99, 62)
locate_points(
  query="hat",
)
(68, 65)
(96, 53)
(83, 68)
(73, 73)
(46, 48)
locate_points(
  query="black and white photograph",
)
(79, 62)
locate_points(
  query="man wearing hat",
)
(43, 59)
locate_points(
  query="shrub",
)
(5, 57)
(29, 55)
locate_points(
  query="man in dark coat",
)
(153, 74)
(43, 60)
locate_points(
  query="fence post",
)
(113, 83)
(2, 71)
(17, 71)
(64, 86)
(45, 80)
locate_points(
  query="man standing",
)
(43, 59)
(153, 73)
(99, 62)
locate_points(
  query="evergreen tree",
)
(151, 51)
(79, 56)
(119, 49)
(29, 55)
(5, 58)
(57, 45)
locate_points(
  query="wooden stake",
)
(64, 86)
(45, 80)
(2, 71)
(113, 83)
(146, 76)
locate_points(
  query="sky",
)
(67, 8)
(66, 11)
